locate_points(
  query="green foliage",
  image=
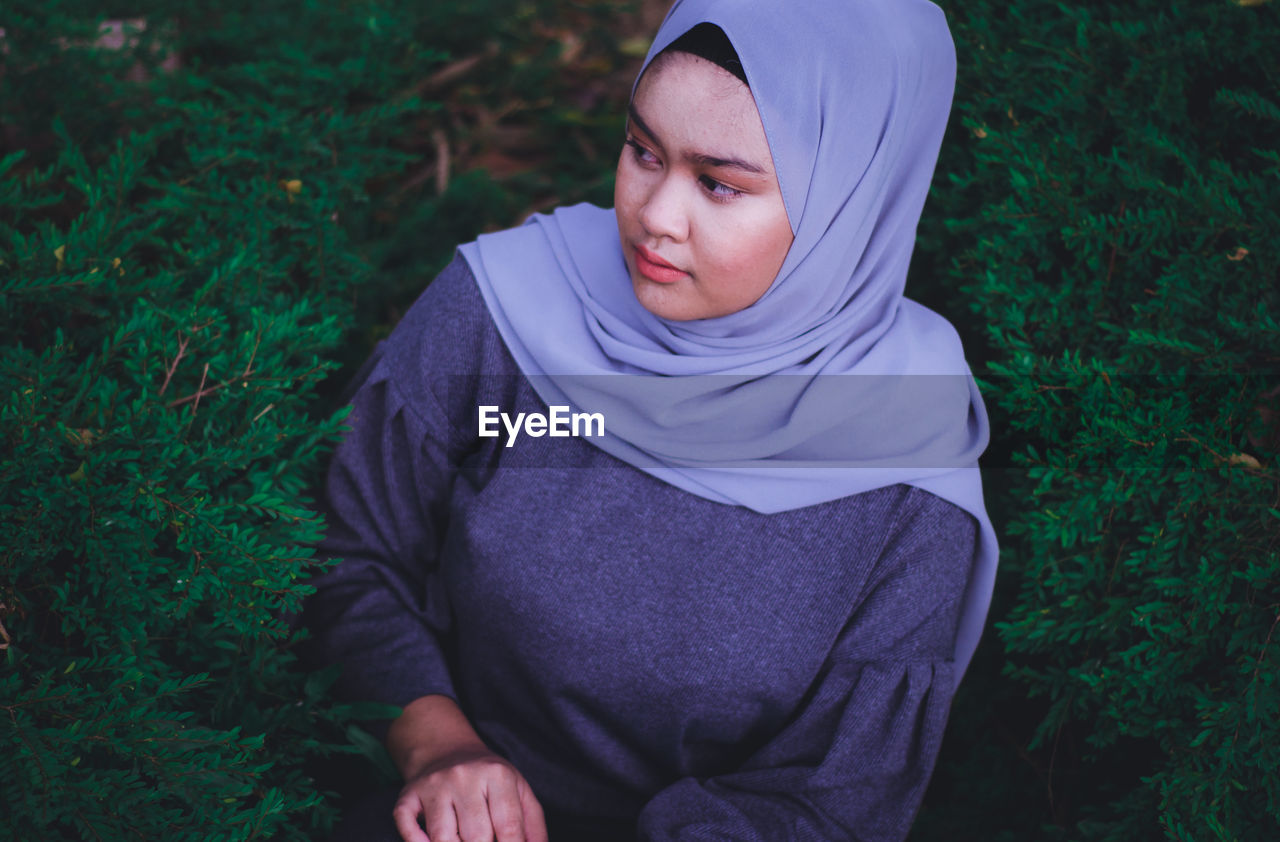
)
(1112, 206)
(177, 269)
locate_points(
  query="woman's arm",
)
(454, 782)
(379, 612)
(430, 728)
(855, 759)
(382, 611)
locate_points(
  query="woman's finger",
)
(473, 817)
(505, 810)
(535, 823)
(405, 813)
(441, 820)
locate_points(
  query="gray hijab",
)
(832, 383)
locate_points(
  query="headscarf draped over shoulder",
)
(832, 383)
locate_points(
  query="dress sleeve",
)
(855, 759)
(381, 611)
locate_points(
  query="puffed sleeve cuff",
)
(854, 766)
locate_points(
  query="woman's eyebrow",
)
(699, 158)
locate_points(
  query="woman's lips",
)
(656, 269)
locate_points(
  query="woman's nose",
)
(664, 213)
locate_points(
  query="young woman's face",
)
(703, 226)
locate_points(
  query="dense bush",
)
(1111, 196)
(175, 282)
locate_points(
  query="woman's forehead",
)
(690, 100)
(849, 94)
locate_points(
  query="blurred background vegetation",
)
(209, 216)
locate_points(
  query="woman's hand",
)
(459, 789)
(472, 794)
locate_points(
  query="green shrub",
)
(1111, 191)
(177, 278)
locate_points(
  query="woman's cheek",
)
(624, 181)
(627, 193)
(747, 254)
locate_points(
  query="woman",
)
(739, 610)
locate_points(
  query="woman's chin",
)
(665, 300)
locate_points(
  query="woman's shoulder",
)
(913, 584)
(931, 545)
(447, 332)
(439, 353)
(891, 528)
(900, 511)
(927, 521)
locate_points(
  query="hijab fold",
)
(832, 383)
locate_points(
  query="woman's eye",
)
(642, 155)
(718, 190)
